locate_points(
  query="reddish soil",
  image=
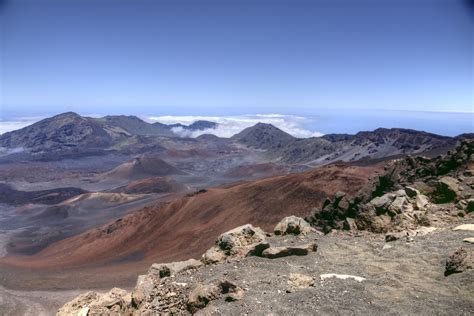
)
(152, 185)
(260, 170)
(185, 227)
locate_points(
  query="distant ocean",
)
(442, 123)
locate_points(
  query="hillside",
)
(380, 143)
(142, 167)
(186, 226)
(407, 239)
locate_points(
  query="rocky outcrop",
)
(292, 225)
(410, 193)
(239, 242)
(203, 294)
(117, 301)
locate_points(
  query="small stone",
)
(298, 281)
(468, 227)
(387, 246)
(469, 240)
(460, 261)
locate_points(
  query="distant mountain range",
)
(70, 130)
(70, 135)
(375, 144)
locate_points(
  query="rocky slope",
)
(411, 190)
(375, 144)
(263, 136)
(298, 271)
(179, 222)
(404, 252)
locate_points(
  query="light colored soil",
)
(37, 303)
(406, 279)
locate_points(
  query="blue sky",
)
(234, 57)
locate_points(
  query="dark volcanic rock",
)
(460, 261)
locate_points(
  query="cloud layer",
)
(231, 125)
(7, 126)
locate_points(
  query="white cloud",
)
(7, 126)
(231, 125)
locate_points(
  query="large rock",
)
(447, 190)
(144, 289)
(411, 191)
(201, 296)
(421, 202)
(397, 206)
(470, 205)
(292, 225)
(468, 227)
(166, 269)
(236, 243)
(278, 252)
(460, 261)
(381, 203)
(205, 293)
(116, 301)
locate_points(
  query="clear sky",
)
(234, 57)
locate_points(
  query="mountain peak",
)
(66, 115)
(263, 136)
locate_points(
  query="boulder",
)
(116, 301)
(392, 236)
(468, 227)
(144, 288)
(350, 224)
(470, 205)
(205, 293)
(231, 291)
(278, 252)
(166, 269)
(381, 203)
(297, 281)
(213, 255)
(469, 240)
(79, 305)
(411, 191)
(421, 202)
(447, 190)
(460, 261)
(397, 206)
(292, 225)
(380, 224)
(236, 243)
(201, 296)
